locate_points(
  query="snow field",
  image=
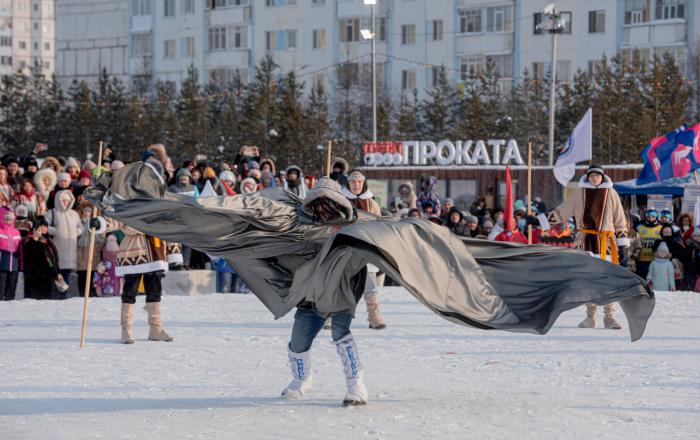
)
(426, 377)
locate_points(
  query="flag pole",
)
(328, 163)
(91, 249)
(529, 191)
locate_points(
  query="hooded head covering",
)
(329, 189)
(662, 251)
(64, 194)
(248, 181)
(39, 178)
(116, 164)
(298, 187)
(52, 162)
(269, 162)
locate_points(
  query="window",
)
(636, 11)
(348, 74)
(469, 67)
(319, 38)
(281, 40)
(35, 6)
(6, 41)
(22, 64)
(168, 49)
(437, 29)
(36, 25)
(36, 45)
(141, 7)
(47, 46)
(318, 2)
(538, 70)
(668, 9)
(408, 80)
(435, 75)
(408, 34)
(564, 70)
(217, 39)
(213, 4)
(291, 39)
(596, 65)
(470, 20)
(503, 65)
(140, 45)
(566, 17)
(188, 6)
(596, 22)
(677, 52)
(238, 37)
(6, 61)
(188, 47)
(499, 19)
(168, 8)
(537, 18)
(381, 26)
(276, 3)
(22, 44)
(349, 30)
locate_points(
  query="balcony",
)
(228, 16)
(141, 23)
(500, 42)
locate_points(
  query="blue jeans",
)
(308, 323)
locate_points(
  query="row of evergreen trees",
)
(632, 102)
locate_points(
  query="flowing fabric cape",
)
(287, 260)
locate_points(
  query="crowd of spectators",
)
(45, 220)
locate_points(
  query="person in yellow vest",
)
(649, 231)
(601, 225)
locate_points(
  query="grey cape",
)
(288, 261)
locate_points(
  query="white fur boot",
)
(354, 373)
(300, 365)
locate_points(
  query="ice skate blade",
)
(354, 403)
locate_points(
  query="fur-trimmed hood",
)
(39, 181)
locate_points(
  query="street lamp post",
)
(373, 34)
(555, 26)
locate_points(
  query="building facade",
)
(27, 36)
(323, 40)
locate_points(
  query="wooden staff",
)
(90, 256)
(328, 163)
(529, 190)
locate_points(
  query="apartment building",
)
(27, 36)
(323, 40)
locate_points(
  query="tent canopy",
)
(674, 186)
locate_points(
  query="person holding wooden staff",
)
(602, 227)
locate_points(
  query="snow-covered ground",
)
(427, 378)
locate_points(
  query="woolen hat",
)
(356, 175)
(63, 176)
(595, 169)
(330, 189)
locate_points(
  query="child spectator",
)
(661, 271)
(10, 241)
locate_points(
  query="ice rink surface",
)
(427, 378)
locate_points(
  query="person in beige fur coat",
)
(601, 225)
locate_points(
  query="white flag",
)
(579, 148)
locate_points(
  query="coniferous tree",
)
(318, 124)
(82, 120)
(291, 139)
(408, 124)
(438, 109)
(192, 116)
(163, 124)
(668, 94)
(260, 112)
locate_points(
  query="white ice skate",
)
(300, 366)
(354, 373)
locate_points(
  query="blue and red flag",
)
(674, 154)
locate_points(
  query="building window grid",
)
(408, 34)
(636, 11)
(470, 67)
(168, 8)
(319, 39)
(141, 8)
(437, 30)
(408, 79)
(470, 21)
(596, 22)
(349, 30)
(188, 7)
(670, 9)
(168, 49)
(140, 45)
(217, 39)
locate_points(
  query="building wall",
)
(100, 33)
(91, 35)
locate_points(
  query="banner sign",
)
(443, 153)
(660, 202)
(691, 196)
